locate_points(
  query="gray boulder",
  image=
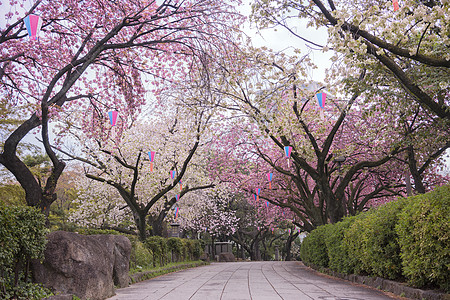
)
(226, 257)
(85, 266)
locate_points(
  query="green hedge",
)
(141, 257)
(172, 249)
(338, 258)
(424, 238)
(156, 251)
(405, 238)
(313, 249)
(160, 251)
(22, 238)
(372, 243)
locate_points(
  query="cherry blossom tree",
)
(402, 50)
(98, 56)
(209, 214)
(346, 156)
(147, 188)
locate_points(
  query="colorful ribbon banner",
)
(151, 156)
(33, 24)
(113, 117)
(269, 177)
(287, 152)
(321, 97)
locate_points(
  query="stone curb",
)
(141, 276)
(394, 287)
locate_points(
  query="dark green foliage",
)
(141, 257)
(424, 238)
(12, 194)
(313, 249)
(92, 231)
(192, 249)
(22, 238)
(405, 238)
(195, 249)
(172, 250)
(158, 246)
(338, 257)
(372, 242)
(27, 291)
(175, 246)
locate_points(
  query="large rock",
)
(85, 266)
(226, 256)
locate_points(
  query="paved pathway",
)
(247, 280)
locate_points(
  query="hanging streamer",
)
(396, 6)
(287, 152)
(113, 117)
(257, 194)
(151, 155)
(177, 197)
(176, 213)
(172, 174)
(321, 97)
(269, 177)
(33, 24)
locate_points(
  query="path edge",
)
(142, 276)
(386, 285)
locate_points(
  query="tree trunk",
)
(139, 219)
(257, 251)
(288, 246)
(412, 162)
(213, 248)
(35, 195)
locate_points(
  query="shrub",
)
(423, 230)
(180, 249)
(337, 253)
(313, 249)
(197, 249)
(354, 244)
(193, 249)
(158, 246)
(141, 256)
(22, 238)
(187, 249)
(175, 246)
(372, 241)
(92, 231)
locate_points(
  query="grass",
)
(145, 273)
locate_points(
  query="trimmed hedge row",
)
(407, 238)
(157, 251)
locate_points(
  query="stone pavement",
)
(268, 280)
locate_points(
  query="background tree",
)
(97, 55)
(402, 50)
(177, 138)
(208, 214)
(280, 110)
